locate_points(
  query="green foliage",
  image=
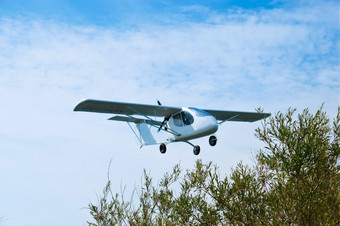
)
(302, 156)
(295, 182)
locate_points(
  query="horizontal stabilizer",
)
(126, 119)
(135, 120)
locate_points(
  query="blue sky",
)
(232, 55)
(107, 13)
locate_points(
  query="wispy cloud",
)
(231, 50)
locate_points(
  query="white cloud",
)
(273, 58)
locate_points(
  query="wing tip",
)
(78, 107)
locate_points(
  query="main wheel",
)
(162, 148)
(197, 150)
(212, 140)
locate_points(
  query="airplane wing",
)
(110, 107)
(238, 116)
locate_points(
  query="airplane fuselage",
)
(191, 123)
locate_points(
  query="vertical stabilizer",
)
(145, 133)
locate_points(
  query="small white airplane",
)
(181, 124)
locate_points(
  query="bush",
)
(295, 181)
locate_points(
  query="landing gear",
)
(212, 140)
(162, 148)
(197, 149)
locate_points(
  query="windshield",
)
(187, 118)
(199, 112)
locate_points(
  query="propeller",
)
(164, 121)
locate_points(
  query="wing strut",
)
(228, 119)
(160, 128)
(140, 114)
(138, 137)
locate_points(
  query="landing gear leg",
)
(197, 150)
(162, 148)
(212, 140)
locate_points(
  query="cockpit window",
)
(178, 120)
(183, 118)
(187, 118)
(199, 112)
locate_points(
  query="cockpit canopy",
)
(184, 118)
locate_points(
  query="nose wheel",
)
(212, 140)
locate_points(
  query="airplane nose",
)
(215, 123)
(212, 125)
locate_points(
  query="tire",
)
(162, 148)
(212, 140)
(197, 150)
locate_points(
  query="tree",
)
(295, 181)
(302, 156)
